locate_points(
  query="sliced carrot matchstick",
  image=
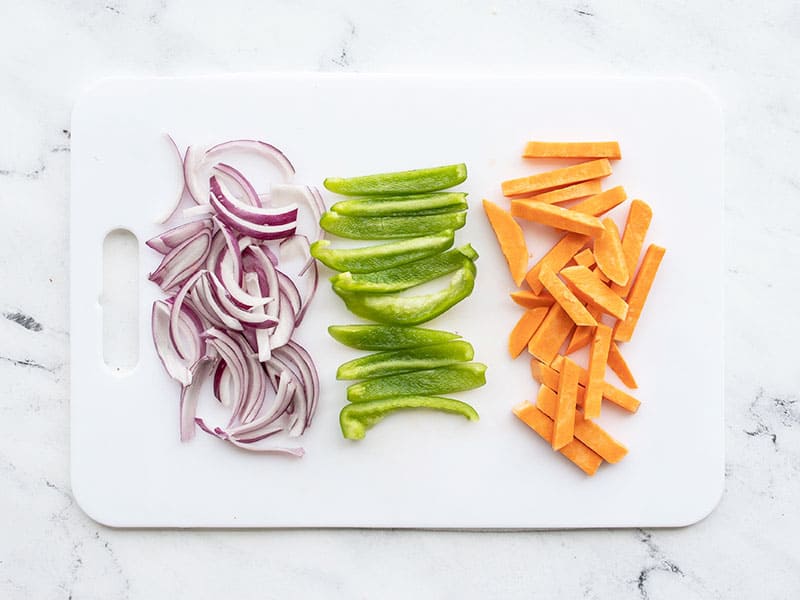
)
(528, 299)
(524, 329)
(636, 226)
(542, 182)
(564, 417)
(609, 255)
(571, 192)
(548, 375)
(598, 357)
(568, 301)
(617, 363)
(538, 149)
(511, 239)
(579, 453)
(587, 286)
(551, 334)
(584, 258)
(557, 217)
(582, 336)
(601, 203)
(623, 330)
(556, 258)
(586, 431)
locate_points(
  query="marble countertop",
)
(747, 54)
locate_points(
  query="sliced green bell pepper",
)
(386, 228)
(410, 359)
(388, 337)
(396, 309)
(381, 256)
(442, 380)
(420, 204)
(355, 419)
(397, 279)
(417, 181)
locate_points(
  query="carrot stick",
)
(547, 340)
(528, 299)
(549, 180)
(602, 203)
(609, 255)
(598, 356)
(588, 287)
(568, 301)
(578, 452)
(617, 363)
(511, 239)
(572, 150)
(623, 331)
(571, 192)
(588, 432)
(556, 258)
(523, 330)
(584, 258)
(564, 417)
(558, 217)
(611, 393)
(639, 217)
(582, 336)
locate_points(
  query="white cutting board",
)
(418, 469)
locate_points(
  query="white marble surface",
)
(746, 52)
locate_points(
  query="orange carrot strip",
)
(602, 203)
(564, 417)
(528, 299)
(598, 356)
(549, 180)
(588, 432)
(571, 192)
(523, 330)
(585, 258)
(558, 217)
(623, 331)
(568, 301)
(582, 336)
(617, 363)
(556, 258)
(572, 150)
(609, 255)
(588, 287)
(639, 217)
(611, 393)
(578, 452)
(511, 239)
(547, 340)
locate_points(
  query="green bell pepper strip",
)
(442, 380)
(423, 204)
(410, 359)
(417, 181)
(388, 337)
(395, 309)
(355, 419)
(381, 256)
(401, 278)
(386, 228)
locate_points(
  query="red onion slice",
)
(181, 262)
(236, 177)
(179, 193)
(177, 235)
(190, 395)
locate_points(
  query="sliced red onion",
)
(209, 298)
(248, 191)
(181, 262)
(258, 147)
(177, 235)
(295, 195)
(288, 287)
(252, 319)
(263, 345)
(309, 267)
(179, 193)
(281, 215)
(298, 358)
(174, 364)
(198, 210)
(189, 397)
(277, 226)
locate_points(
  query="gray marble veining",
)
(745, 52)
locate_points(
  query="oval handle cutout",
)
(119, 301)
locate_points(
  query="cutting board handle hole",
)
(119, 301)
